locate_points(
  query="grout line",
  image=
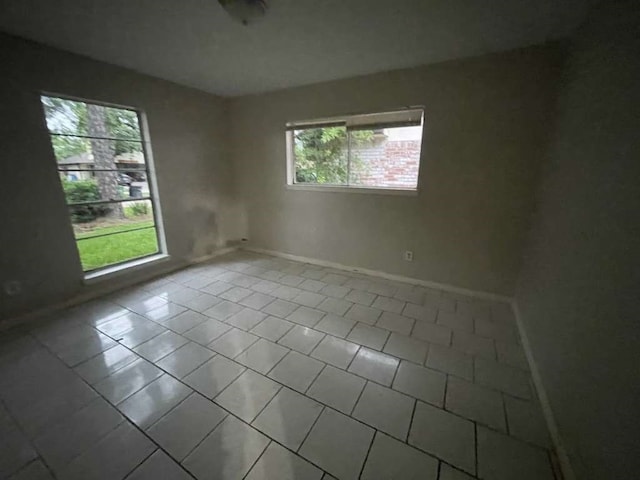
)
(413, 413)
(139, 464)
(315, 378)
(126, 419)
(366, 457)
(475, 446)
(324, 407)
(350, 414)
(135, 353)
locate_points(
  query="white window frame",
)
(116, 269)
(389, 118)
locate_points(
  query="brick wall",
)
(386, 163)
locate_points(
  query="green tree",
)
(321, 154)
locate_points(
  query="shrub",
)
(83, 191)
(139, 208)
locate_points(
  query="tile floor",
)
(256, 367)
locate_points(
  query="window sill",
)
(368, 190)
(118, 270)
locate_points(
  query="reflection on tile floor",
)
(262, 368)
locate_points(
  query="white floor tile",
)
(234, 441)
(502, 377)
(257, 300)
(185, 321)
(385, 409)
(272, 328)
(302, 339)
(360, 297)
(420, 313)
(372, 337)
(338, 444)
(432, 333)
(335, 351)
(184, 427)
(234, 342)
(246, 319)
(450, 361)
(474, 345)
(476, 403)
(105, 364)
(280, 308)
(288, 418)
(207, 331)
(149, 404)
(214, 376)
(375, 366)
(127, 380)
(421, 383)
(447, 472)
(309, 299)
(337, 388)
(335, 325)
(223, 310)
(159, 465)
(278, 462)
(262, 356)
(364, 314)
(113, 457)
(391, 459)
(526, 421)
(296, 371)
(456, 321)
(185, 360)
(72, 436)
(160, 346)
(406, 348)
(444, 435)
(388, 304)
(395, 322)
(305, 316)
(336, 306)
(248, 395)
(503, 458)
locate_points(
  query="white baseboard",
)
(552, 426)
(98, 292)
(387, 276)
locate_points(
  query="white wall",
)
(579, 293)
(188, 131)
(487, 121)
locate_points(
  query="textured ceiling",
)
(195, 43)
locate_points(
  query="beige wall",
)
(188, 131)
(486, 126)
(579, 293)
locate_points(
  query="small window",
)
(103, 169)
(380, 150)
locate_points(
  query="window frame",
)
(149, 170)
(344, 120)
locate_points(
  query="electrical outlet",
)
(12, 288)
(408, 256)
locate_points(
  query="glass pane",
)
(80, 153)
(321, 155)
(107, 250)
(81, 186)
(386, 157)
(78, 118)
(96, 220)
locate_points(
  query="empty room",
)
(319, 240)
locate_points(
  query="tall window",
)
(101, 160)
(380, 150)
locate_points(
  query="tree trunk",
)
(103, 158)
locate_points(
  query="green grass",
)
(99, 252)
